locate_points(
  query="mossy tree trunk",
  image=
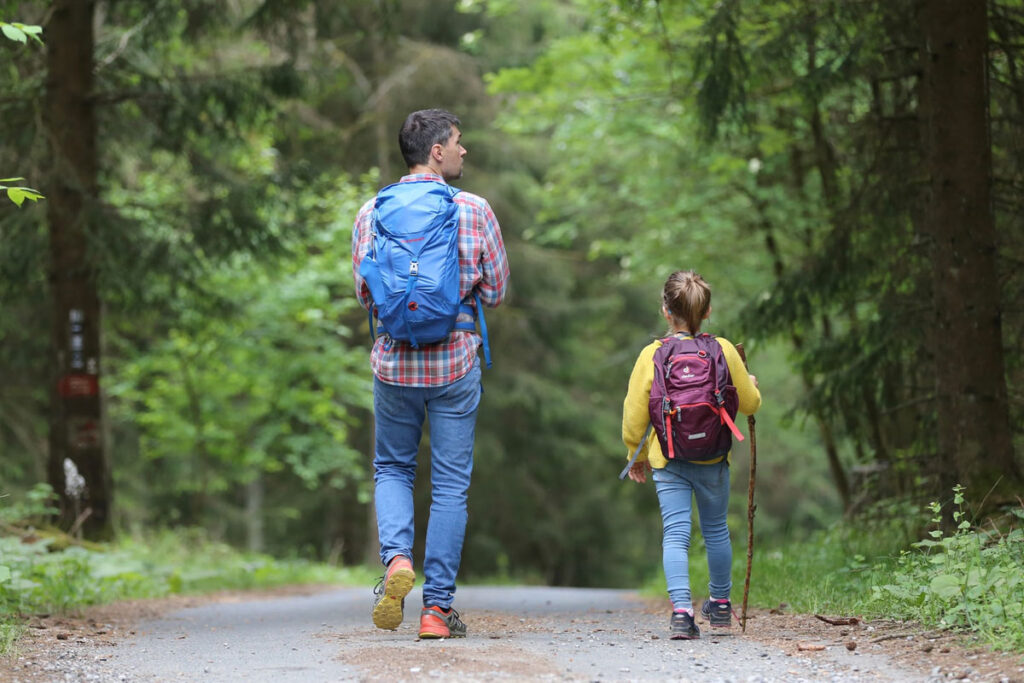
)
(76, 433)
(974, 442)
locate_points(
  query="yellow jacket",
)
(635, 417)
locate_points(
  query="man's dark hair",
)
(422, 130)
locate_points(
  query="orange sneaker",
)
(390, 592)
(438, 623)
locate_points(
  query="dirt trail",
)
(516, 633)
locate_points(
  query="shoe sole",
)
(387, 614)
(432, 635)
(683, 636)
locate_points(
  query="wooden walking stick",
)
(750, 504)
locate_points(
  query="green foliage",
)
(772, 147)
(21, 33)
(38, 504)
(972, 579)
(18, 195)
(36, 578)
(257, 376)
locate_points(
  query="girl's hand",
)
(638, 471)
(754, 380)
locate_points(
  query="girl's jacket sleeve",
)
(749, 395)
(635, 418)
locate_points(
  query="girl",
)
(686, 303)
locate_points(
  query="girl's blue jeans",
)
(400, 412)
(678, 483)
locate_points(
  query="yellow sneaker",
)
(390, 592)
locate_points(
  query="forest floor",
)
(520, 634)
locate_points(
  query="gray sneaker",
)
(682, 627)
(717, 612)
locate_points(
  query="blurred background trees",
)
(788, 151)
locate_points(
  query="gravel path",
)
(515, 633)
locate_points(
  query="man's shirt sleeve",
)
(493, 260)
(362, 236)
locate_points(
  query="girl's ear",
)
(665, 314)
(708, 314)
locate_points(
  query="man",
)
(440, 381)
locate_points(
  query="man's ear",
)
(437, 152)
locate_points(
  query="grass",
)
(970, 580)
(823, 573)
(35, 578)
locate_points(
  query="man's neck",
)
(419, 169)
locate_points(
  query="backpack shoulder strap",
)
(625, 472)
(714, 350)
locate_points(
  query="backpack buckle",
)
(414, 268)
(666, 405)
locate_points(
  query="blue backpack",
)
(412, 268)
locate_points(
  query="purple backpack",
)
(693, 401)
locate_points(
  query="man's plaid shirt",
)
(483, 265)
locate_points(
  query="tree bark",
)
(255, 495)
(974, 441)
(76, 435)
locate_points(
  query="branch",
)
(122, 44)
(843, 621)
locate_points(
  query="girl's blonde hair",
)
(687, 298)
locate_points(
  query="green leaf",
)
(18, 195)
(945, 586)
(5, 573)
(14, 33)
(11, 180)
(23, 585)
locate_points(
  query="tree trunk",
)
(254, 499)
(76, 435)
(974, 442)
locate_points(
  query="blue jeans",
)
(677, 483)
(399, 413)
